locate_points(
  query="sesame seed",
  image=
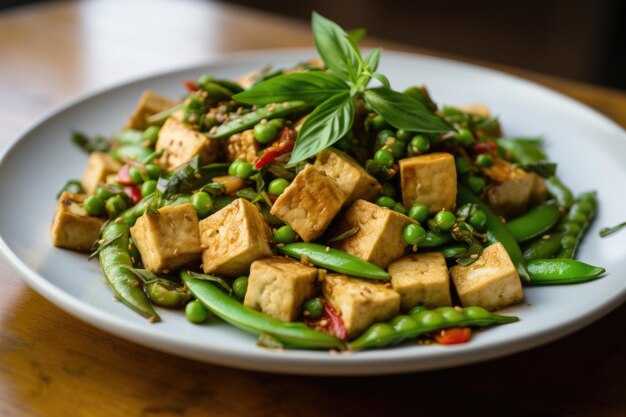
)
(474, 256)
(546, 237)
(458, 308)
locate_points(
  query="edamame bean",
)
(419, 212)
(240, 287)
(413, 234)
(196, 312)
(284, 234)
(278, 186)
(93, 205)
(314, 308)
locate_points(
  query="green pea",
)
(240, 287)
(387, 202)
(377, 122)
(577, 218)
(400, 208)
(196, 312)
(478, 219)
(403, 135)
(381, 331)
(314, 307)
(104, 193)
(203, 203)
(135, 175)
(419, 212)
(413, 234)
(72, 186)
(463, 165)
(265, 132)
(153, 171)
(476, 313)
(93, 205)
(569, 241)
(148, 187)
(584, 207)
(418, 145)
(115, 205)
(383, 136)
(232, 168)
(403, 323)
(451, 315)
(244, 170)
(284, 234)
(278, 186)
(389, 190)
(396, 147)
(384, 157)
(443, 221)
(484, 160)
(416, 310)
(464, 137)
(475, 183)
(569, 228)
(429, 318)
(277, 123)
(151, 134)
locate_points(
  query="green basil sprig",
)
(334, 91)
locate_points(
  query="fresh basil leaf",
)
(372, 58)
(545, 169)
(403, 111)
(334, 47)
(382, 78)
(189, 177)
(607, 231)
(312, 87)
(357, 35)
(526, 151)
(325, 125)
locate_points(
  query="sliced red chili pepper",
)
(190, 85)
(454, 335)
(134, 193)
(272, 197)
(329, 322)
(123, 177)
(484, 147)
(283, 144)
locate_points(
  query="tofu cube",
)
(360, 303)
(512, 189)
(72, 228)
(233, 238)
(429, 179)
(379, 237)
(492, 282)
(149, 103)
(167, 240)
(241, 146)
(99, 167)
(421, 279)
(351, 177)
(279, 286)
(180, 143)
(309, 203)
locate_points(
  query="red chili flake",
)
(190, 85)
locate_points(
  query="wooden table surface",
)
(52, 364)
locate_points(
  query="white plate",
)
(589, 148)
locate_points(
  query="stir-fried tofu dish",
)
(317, 207)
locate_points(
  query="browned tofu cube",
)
(150, 103)
(241, 146)
(429, 179)
(360, 303)
(421, 279)
(279, 286)
(99, 167)
(180, 143)
(231, 183)
(511, 189)
(379, 237)
(233, 238)
(351, 177)
(492, 282)
(167, 240)
(72, 228)
(310, 203)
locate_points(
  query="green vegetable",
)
(543, 247)
(291, 334)
(475, 183)
(419, 212)
(478, 219)
(576, 223)
(399, 207)
(561, 271)
(240, 287)
(134, 152)
(314, 308)
(106, 192)
(148, 187)
(559, 191)
(128, 137)
(389, 190)
(535, 222)
(384, 157)
(377, 123)
(151, 134)
(410, 326)
(403, 135)
(496, 230)
(189, 177)
(90, 144)
(203, 203)
(278, 186)
(607, 231)
(115, 205)
(434, 239)
(463, 165)
(387, 202)
(334, 260)
(265, 133)
(413, 234)
(196, 312)
(135, 175)
(153, 171)
(244, 169)
(284, 234)
(419, 144)
(452, 250)
(484, 160)
(442, 222)
(166, 293)
(72, 186)
(93, 205)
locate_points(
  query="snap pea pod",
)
(291, 334)
(248, 120)
(496, 230)
(167, 293)
(535, 222)
(159, 118)
(559, 191)
(434, 239)
(135, 152)
(129, 137)
(335, 260)
(452, 250)
(420, 321)
(562, 271)
(543, 247)
(575, 224)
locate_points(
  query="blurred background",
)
(575, 39)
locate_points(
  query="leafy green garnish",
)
(606, 231)
(344, 235)
(90, 144)
(219, 281)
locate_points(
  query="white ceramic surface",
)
(589, 148)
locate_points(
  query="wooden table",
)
(52, 364)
